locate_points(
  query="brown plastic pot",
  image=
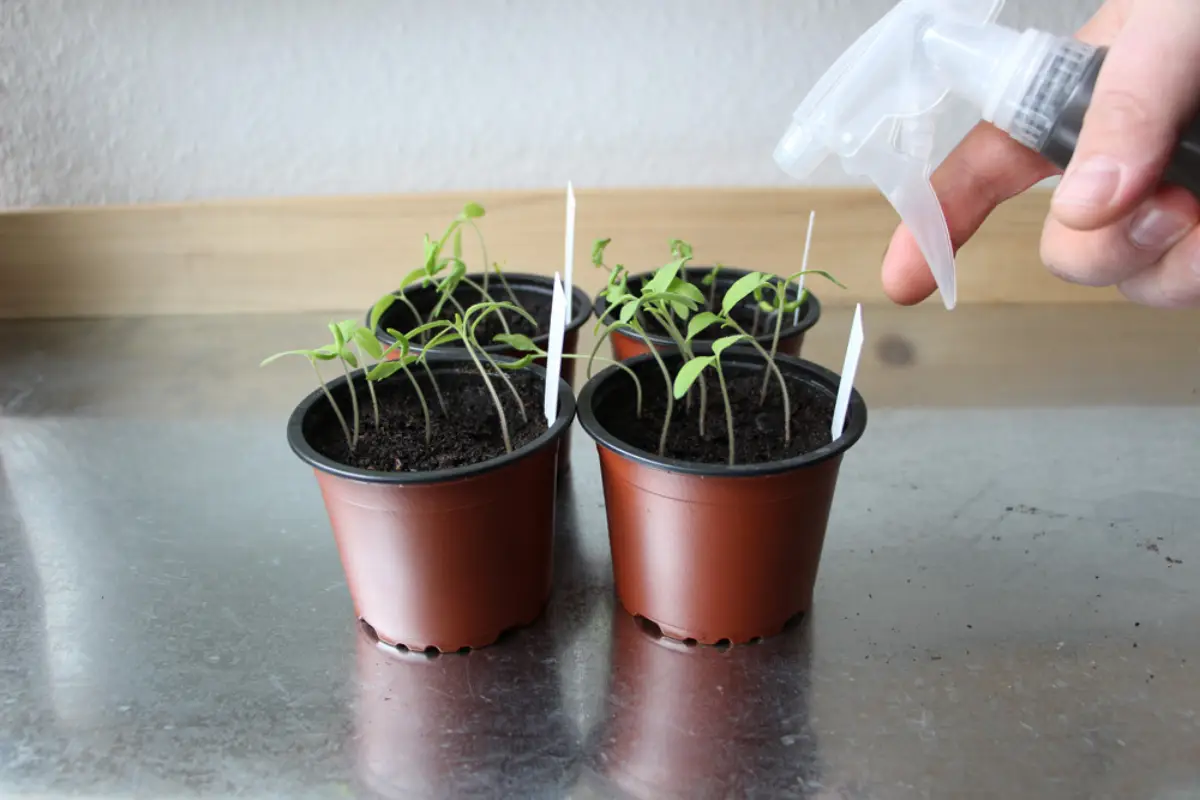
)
(713, 552)
(690, 722)
(444, 559)
(626, 345)
(524, 285)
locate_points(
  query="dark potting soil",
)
(758, 429)
(536, 305)
(469, 435)
(743, 314)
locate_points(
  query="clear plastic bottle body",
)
(1036, 87)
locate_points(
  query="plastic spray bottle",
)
(875, 108)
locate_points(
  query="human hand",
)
(1111, 223)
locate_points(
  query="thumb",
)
(1147, 91)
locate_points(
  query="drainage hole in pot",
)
(756, 640)
(723, 645)
(690, 642)
(648, 627)
(369, 631)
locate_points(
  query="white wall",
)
(119, 101)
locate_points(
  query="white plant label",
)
(812, 215)
(558, 324)
(569, 260)
(849, 367)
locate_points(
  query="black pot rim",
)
(810, 317)
(581, 307)
(307, 453)
(856, 421)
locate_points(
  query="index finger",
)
(986, 169)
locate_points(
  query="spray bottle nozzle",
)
(874, 110)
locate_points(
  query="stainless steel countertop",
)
(1007, 605)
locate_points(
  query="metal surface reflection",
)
(697, 722)
(432, 726)
(1006, 605)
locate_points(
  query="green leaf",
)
(500, 305)
(326, 353)
(681, 249)
(472, 211)
(431, 254)
(382, 306)
(445, 337)
(628, 310)
(670, 297)
(792, 305)
(699, 322)
(687, 289)
(688, 374)
(451, 281)
(417, 331)
(348, 327)
(725, 342)
(310, 354)
(520, 363)
(618, 289)
(742, 287)
(339, 338)
(369, 344)
(350, 359)
(384, 369)
(663, 277)
(402, 342)
(821, 272)
(598, 251)
(517, 341)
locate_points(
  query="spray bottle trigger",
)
(918, 205)
(898, 161)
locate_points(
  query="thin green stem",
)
(488, 298)
(516, 395)
(672, 330)
(754, 322)
(337, 411)
(728, 409)
(780, 299)
(424, 406)
(416, 314)
(508, 289)
(353, 399)
(596, 348)
(492, 391)
(624, 367)
(482, 249)
(507, 382)
(370, 384)
(662, 439)
(787, 403)
(436, 389)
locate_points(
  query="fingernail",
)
(1155, 228)
(1090, 184)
